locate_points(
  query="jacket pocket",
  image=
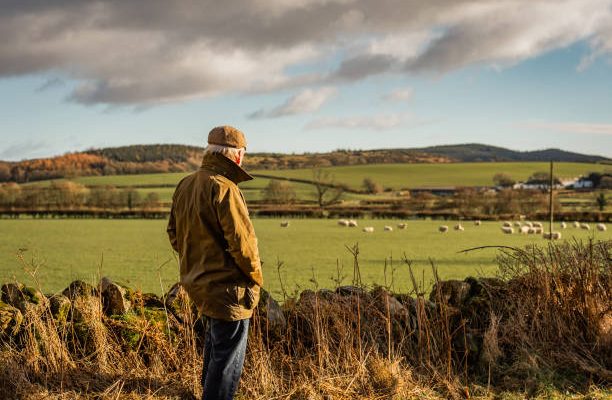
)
(239, 292)
(249, 299)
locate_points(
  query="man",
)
(220, 269)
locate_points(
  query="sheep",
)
(563, 225)
(507, 229)
(525, 230)
(522, 217)
(368, 229)
(459, 228)
(531, 230)
(443, 228)
(352, 223)
(343, 222)
(477, 222)
(584, 226)
(576, 224)
(537, 225)
(529, 224)
(402, 226)
(553, 236)
(538, 231)
(517, 224)
(388, 228)
(284, 224)
(507, 224)
(602, 227)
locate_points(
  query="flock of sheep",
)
(351, 223)
(522, 227)
(537, 228)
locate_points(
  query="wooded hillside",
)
(159, 158)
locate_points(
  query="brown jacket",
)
(210, 229)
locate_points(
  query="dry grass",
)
(541, 331)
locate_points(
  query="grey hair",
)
(230, 152)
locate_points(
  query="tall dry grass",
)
(544, 323)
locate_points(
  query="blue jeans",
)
(224, 351)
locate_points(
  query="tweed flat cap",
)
(227, 136)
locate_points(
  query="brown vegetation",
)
(143, 159)
(544, 325)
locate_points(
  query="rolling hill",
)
(164, 158)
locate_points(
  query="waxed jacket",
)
(211, 230)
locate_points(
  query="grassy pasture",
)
(398, 176)
(137, 251)
(389, 175)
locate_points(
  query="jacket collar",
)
(222, 165)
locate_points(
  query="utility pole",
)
(550, 201)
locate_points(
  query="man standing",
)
(220, 269)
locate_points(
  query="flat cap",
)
(227, 136)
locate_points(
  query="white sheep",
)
(585, 226)
(507, 224)
(563, 225)
(388, 228)
(529, 224)
(576, 224)
(459, 228)
(477, 222)
(352, 223)
(517, 224)
(525, 230)
(402, 226)
(553, 236)
(537, 225)
(602, 227)
(507, 229)
(343, 222)
(538, 230)
(284, 224)
(368, 229)
(443, 228)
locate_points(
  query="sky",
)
(305, 75)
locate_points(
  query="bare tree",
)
(279, 192)
(327, 191)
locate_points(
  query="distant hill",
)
(474, 152)
(159, 158)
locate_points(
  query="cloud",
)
(572, 127)
(132, 53)
(50, 84)
(404, 94)
(24, 149)
(374, 122)
(307, 101)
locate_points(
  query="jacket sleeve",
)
(238, 232)
(171, 229)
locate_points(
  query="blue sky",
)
(379, 82)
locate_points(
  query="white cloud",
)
(572, 127)
(129, 52)
(403, 94)
(374, 122)
(307, 101)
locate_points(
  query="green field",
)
(399, 176)
(137, 252)
(395, 176)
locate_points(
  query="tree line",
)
(71, 195)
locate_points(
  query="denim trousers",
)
(224, 350)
